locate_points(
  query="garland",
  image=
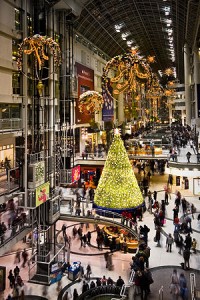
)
(90, 102)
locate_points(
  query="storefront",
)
(93, 143)
(90, 175)
(7, 152)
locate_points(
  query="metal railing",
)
(13, 231)
(192, 285)
(10, 180)
(65, 176)
(40, 265)
(132, 276)
(10, 124)
(36, 157)
(101, 290)
(99, 215)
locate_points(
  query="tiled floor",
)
(121, 261)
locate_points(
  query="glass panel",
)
(16, 83)
(17, 19)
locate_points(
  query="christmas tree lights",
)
(118, 187)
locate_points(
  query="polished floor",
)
(159, 256)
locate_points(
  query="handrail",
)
(123, 290)
(131, 279)
(15, 230)
(100, 290)
(192, 285)
(95, 217)
(161, 293)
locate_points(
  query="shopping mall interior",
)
(99, 149)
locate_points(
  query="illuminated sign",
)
(42, 193)
(76, 171)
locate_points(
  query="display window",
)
(6, 155)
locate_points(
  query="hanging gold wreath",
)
(38, 46)
(90, 102)
(130, 71)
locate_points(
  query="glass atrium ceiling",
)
(158, 28)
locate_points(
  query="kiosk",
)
(74, 270)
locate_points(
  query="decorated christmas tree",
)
(118, 188)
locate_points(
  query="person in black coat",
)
(186, 257)
(75, 294)
(144, 285)
(119, 282)
(85, 287)
(188, 242)
(92, 285)
(11, 279)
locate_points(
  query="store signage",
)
(108, 106)
(54, 267)
(42, 193)
(85, 83)
(76, 171)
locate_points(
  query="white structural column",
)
(197, 81)
(120, 108)
(52, 101)
(25, 109)
(187, 83)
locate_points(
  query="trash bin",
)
(186, 183)
(178, 180)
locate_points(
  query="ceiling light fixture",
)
(125, 35)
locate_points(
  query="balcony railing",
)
(36, 157)
(10, 124)
(9, 180)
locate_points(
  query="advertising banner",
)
(108, 106)
(85, 77)
(196, 186)
(76, 172)
(42, 193)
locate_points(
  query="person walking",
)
(89, 237)
(25, 258)
(64, 227)
(169, 242)
(75, 294)
(11, 279)
(180, 243)
(85, 287)
(120, 282)
(88, 271)
(17, 257)
(16, 271)
(183, 287)
(188, 155)
(158, 235)
(155, 195)
(144, 285)
(186, 257)
(174, 286)
(166, 198)
(188, 241)
(194, 245)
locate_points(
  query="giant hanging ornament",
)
(90, 102)
(130, 71)
(40, 47)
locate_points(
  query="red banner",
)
(76, 172)
(85, 83)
